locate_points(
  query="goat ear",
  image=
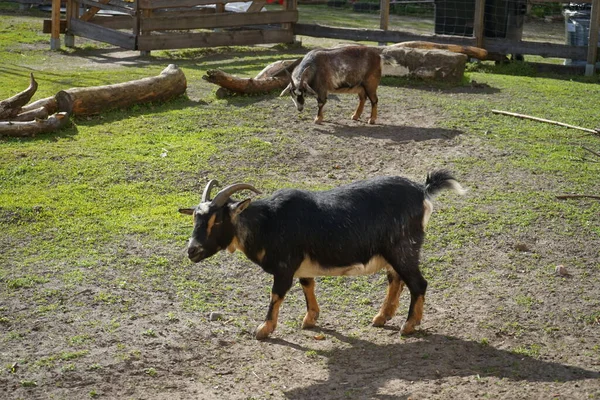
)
(187, 211)
(286, 90)
(309, 89)
(236, 208)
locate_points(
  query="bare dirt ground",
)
(477, 340)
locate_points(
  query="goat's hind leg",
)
(392, 299)
(312, 307)
(372, 95)
(407, 268)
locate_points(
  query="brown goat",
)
(348, 69)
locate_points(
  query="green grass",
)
(89, 214)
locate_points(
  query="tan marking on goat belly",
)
(428, 209)
(211, 223)
(310, 269)
(235, 245)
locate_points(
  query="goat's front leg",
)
(320, 103)
(281, 285)
(312, 307)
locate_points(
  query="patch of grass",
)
(27, 281)
(532, 350)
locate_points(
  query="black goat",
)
(355, 229)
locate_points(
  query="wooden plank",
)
(592, 55)
(500, 46)
(161, 22)
(375, 35)
(47, 26)
(256, 5)
(92, 11)
(478, 23)
(213, 39)
(155, 4)
(102, 34)
(114, 21)
(542, 49)
(102, 5)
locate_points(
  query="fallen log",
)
(37, 113)
(32, 128)
(245, 85)
(471, 51)
(49, 103)
(11, 107)
(275, 76)
(92, 100)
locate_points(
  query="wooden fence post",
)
(72, 10)
(478, 23)
(55, 30)
(384, 17)
(592, 55)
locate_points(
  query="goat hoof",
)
(408, 329)
(310, 321)
(380, 320)
(263, 331)
(371, 121)
(356, 117)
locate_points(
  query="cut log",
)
(442, 65)
(92, 100)
(279, 69)
(32, 128)
(11, 107)
(49, 103)
(38, 113)
(245, 85)
(471, 51)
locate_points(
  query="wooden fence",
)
(493, 45)
(173, 24)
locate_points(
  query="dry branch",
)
(524, 116)
(92, 100)
(577, 196)
(32, 128)
(591, 151)
(11, 107)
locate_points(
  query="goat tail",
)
(440, 180)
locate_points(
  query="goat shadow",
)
(397, 134)
(369, 366)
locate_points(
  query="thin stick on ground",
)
(577, 196)
(591, 151)
(548, 121)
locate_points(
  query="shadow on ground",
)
(432, 358)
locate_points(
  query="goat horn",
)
(224, 195)
(207, 189)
